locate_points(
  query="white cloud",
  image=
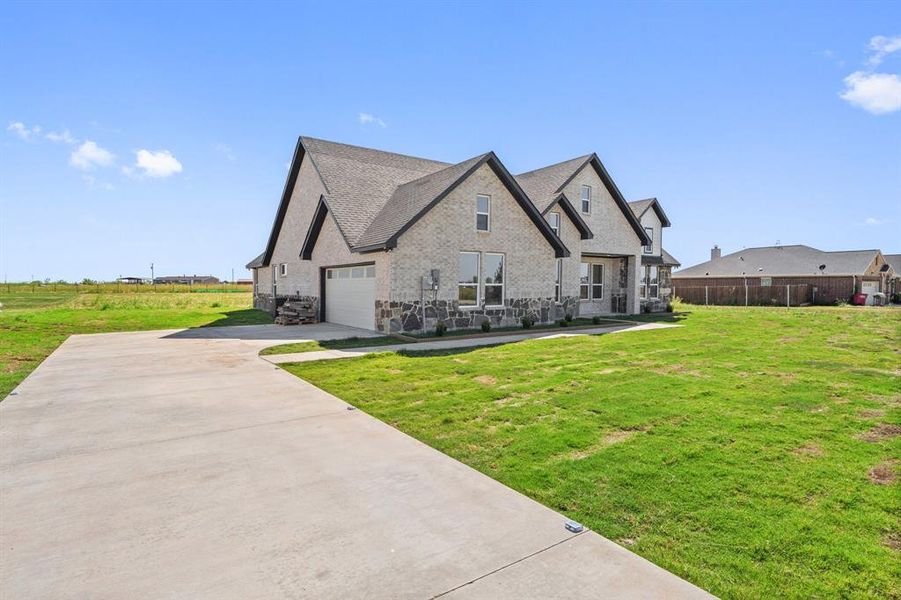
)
(62, 136)
(873, 221)
(89, 156)
(156, 164)
(878, 93)
(22, 131)
(367, 119)
(93, 183)
(883, 46)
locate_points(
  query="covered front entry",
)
(350, 295)
(603, 285)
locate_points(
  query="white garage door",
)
(869, 288)
(350, 296)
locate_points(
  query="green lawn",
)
(753, 451)
(315, 346)
(32, 325)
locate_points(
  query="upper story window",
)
(649, 249)
(483, 212)
(283, 269)
(468, 279)
(553, 220)
(586, 199)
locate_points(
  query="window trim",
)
(502, 284)
(595, 284)
(649, 248)
(584, 200)
(283, 270)
(555, 228)
(477, 283)
(487, 214)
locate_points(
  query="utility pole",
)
(151, 274)
(233, 274)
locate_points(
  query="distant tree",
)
(88, 281)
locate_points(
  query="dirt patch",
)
(809, 449)
(678, 369)
(893, 541)
(607, 371)
(869, 413)
(626, 542)
(394, 371)
(883, 431)
(884, 473)
(485, 379)
(460, 360)
(614, 437)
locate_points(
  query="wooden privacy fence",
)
(743, 295)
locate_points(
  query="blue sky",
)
(159, 132)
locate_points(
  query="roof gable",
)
(639, 207)
(570, 211)
(542, 184)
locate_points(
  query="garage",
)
(350, 296)
(870, 288)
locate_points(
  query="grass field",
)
(33, 324)
(753, 451)
(315, 346)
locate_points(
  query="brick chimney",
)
(715, 253)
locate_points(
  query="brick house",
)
(389, 242)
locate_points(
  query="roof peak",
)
(306, 138)
(585, 158)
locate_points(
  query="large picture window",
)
(483, 212)
(468, 279)
(649, 287)
(591, 281)
(494, 279)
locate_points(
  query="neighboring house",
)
(825, 277)
(131, 280)
(187, 279)
(396, 243)
(655, 284)
(894, 281)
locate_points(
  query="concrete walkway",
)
(451, 342)
(181, 465)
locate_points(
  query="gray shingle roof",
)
(783, 261)
(542, 185)
(410, 199)
(895, 261)
(639, 207)
(359, 182)
(669, 259)
(257, 262)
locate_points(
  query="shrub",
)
(568, 317)
(486, 325)
(527, 322)
(215, 305)
(646, 308)
(596, 320)
(669, 307)
(440, 328)
(564, 323)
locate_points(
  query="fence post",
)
(706, 300)
(788, 295)
(746, 294)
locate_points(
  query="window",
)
(643, 284)
(591, 281)
(586, 198)
(558, 277)
(584, 281)
(357, 272)
(283, 269)
(370, 272)
(494, 279)
(468, 279)
(483, 212)
(649, 249)
(597, 282)
(653, 287)
(553, 220)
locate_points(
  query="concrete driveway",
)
(181, 465)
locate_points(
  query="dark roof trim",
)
(255, 263)
(287, 192)
(664, 220)
(509, 182)
(595, 162)
(571, 212)
(309, 242)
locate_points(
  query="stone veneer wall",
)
(394, 316)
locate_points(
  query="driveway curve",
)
(178, 464)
